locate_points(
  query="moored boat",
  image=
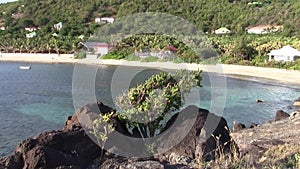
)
(25, 67)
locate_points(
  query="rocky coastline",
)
(73, 147)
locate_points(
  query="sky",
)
(4, 1)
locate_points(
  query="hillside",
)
(78, 18)
(208, 15)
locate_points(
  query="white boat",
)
(25, 67)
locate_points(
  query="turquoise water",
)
(40, 99)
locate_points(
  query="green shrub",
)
(81, 55)
(132, 58)
(150, 59)
(231, 61)
(146, 105)
(245, 63)
(112, 56)
(259, 60)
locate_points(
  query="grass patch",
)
(113, 56)
(150, 59)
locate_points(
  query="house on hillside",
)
(255, 3)
(222, 30)
(31, 28)
(169, 52)
(105, 20)
(286, 54)
(2, 28)
(264, 29)
(31, 35)
(97, 20)
(96, 48)
(58, 26)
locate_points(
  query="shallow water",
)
(40, 99)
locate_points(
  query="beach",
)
(38, 57)
(282, 75)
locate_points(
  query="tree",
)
(27, 23)
(145, 106)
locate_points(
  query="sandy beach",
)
(281, 75)
(38, 57)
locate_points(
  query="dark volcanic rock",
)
(85, 116)
(13, 161)
(54, 149)
(202, 132)
(69, 148)
(280, 114)
(198, 142)
(297, 102)
(238, 127)
(252, 125)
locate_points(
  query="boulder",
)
(85, 116)
(297, 102)
(238, 127)
(72, 147)
(295, 114)
(208, 132)
(280, 114)
(252, 125)
(259, 101)
(13, 161)
(54, 149)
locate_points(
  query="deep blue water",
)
(40, 99)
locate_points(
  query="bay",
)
(40, 99)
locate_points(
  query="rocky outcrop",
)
(280, 115)
(297, 102)
(53, 149)
(255, 143)
(207, 134)
(238, 126)
(72, 147)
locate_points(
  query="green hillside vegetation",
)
(78, 18)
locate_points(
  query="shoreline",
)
(37, 57)
(280, 75)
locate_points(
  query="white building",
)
(264, 29)
(97, 48)
(105, 20)
(97, 20)
(58, 26)
(222, 30)
(2, 28)
(31, 28)
(286, 54)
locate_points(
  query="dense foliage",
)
(147, 105)
(253, 49)
(78, 18)
(126, 48)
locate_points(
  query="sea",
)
(40, 99)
